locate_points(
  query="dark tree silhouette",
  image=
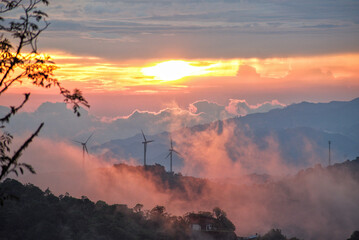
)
(274, 234)
(354, 236)
(224, 222)
(138, 208)
(19, 62)
(45, 216)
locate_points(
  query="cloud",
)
(155, 122)
(315, 204)
(214, 29)
(236, 107)
(61, 123)
(242, 108)
(310, 75)
(245, 72)
(209, 110)
(226, 151)
(61, 167)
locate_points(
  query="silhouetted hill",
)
(196, 186)
(35, 214)
(183, 187)
(348, 168)
(301, 131)
(337, 116)
(315, 193)
(283, 203)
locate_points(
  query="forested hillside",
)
(30, 213)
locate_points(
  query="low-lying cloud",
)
(61, 123)
(314, 204)
(225, 151)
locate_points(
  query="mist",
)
(306, 205)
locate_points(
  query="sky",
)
(148, 55)
(161, 65)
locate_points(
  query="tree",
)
(19, 62)
(224, 222)
(354, 236)
(274, 234)
(138, 208)
(157, 212)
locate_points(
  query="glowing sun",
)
(173, 70)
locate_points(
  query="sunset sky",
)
(225, 93)
(148, 55)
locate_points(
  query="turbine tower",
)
(171, 150)
(84, 149)
(329, 159)
(145, 142)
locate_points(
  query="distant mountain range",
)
(301, 132)
(61, 123)
(333, 117)
(298, 133)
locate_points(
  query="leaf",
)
(40, 13)
(29, 167)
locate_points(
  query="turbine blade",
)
(143, 135)
(89, 138)
(150, 141)
(168, 155)
(76, 141)
(171, 143)
(176, 152)
(86, 149)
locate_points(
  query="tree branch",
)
(14, 110)
(10, 82)
(12, 164)
(26, 144)
(9, 5)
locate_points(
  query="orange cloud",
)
(232, 78)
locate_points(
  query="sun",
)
(173, 70)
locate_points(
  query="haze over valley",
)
(172, 119)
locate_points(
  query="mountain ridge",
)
(337, 121)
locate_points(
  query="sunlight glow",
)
(173, 70)
(156, 76)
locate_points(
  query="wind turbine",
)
(171, 150)
(84, 148)
(145, 142)
(329, 159)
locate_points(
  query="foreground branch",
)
(9, 165)
(14, 110)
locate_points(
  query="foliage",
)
(214, 225)
(41, 215)
(224, 222)
(185, 187)
(354, 236)
(20, 61)
(38, 214)
(274, 234)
